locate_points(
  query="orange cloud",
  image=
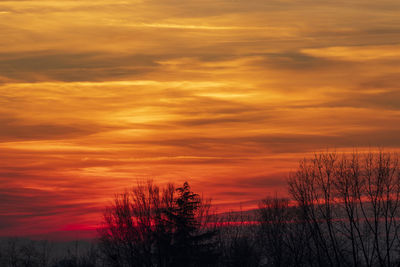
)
(95, 95)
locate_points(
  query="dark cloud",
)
(235, 193)
(49, 65)
(13, 129)
(387, 81)
(39, 132)
(281, 143)
(246, 182)
(388, 99)
(35, 202)
(19, 205)
(293, 60)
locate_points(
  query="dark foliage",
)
(150, 228)
(190, 245)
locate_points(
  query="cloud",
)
(35, 132)
(95, 95)
(47, 65)
(356, 53)
(21, 205)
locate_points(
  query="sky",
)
(226, 94)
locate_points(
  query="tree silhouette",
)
(350, 206)
(343, 210)
(153, 227)
(191, 245)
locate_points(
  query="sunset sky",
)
(227, 94)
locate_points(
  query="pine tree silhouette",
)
(192, 246)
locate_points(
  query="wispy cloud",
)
(95, 95)
(357, 53)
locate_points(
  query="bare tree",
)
(131, 223)
(350, 205)
(311, 188)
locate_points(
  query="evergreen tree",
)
(193, 243)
